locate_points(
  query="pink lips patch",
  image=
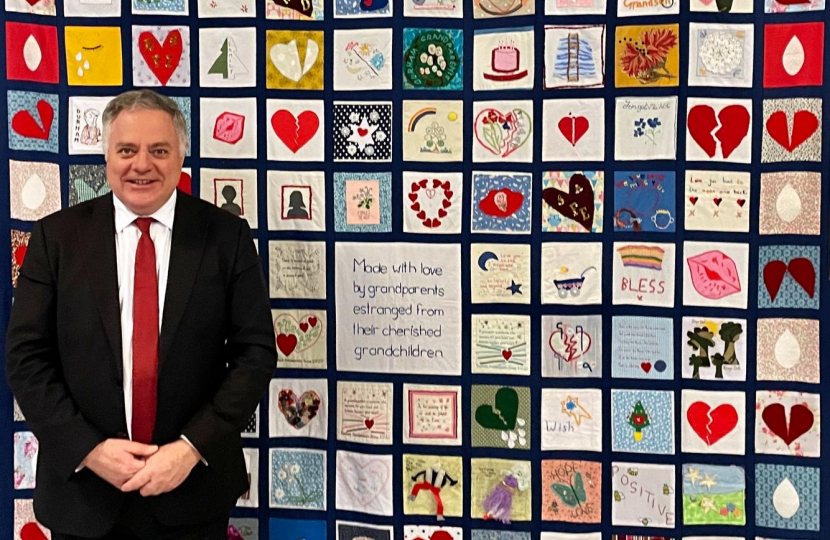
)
(714, 275)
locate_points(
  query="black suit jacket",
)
(64, 360)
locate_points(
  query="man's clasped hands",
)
(149, 469)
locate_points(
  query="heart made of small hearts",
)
(422, 189)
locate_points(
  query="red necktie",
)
(145, 335)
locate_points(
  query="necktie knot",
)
(143, 224)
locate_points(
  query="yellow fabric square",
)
(647, 56)
(294, 60)
(93, 56)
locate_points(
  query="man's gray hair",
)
(144, 99)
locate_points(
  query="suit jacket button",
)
(121, 435)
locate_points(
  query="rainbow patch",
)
(418, 115)
(650, 257)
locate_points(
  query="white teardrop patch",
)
(785, 499)
(788, 204)
(793, 57)
(787, 350)
(33, 192)
(32, 54)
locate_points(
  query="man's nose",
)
(142, 160)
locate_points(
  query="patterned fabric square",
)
(791, 130)
(362, 131)
(788, 350)
(33, 121)
(362, 202)
(642, 421)
(34, 188)
(161, 55)
(788, 277)
(787, 497)
(790, 203)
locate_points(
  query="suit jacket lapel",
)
(96, 236)
(186, 249)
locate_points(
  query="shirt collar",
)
(164, 215)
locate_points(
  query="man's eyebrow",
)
(161, 145)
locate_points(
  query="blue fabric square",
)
(24, 106)
(644, 201)
(630, 433)
(787, 480)
(791, 293)
(294, 529)
(501, 202)
(642, 348)
(184, 106)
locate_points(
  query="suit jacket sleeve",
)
(33, 365)
(251, 354)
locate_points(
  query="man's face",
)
(144, 163)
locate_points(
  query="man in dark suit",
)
(139, 344)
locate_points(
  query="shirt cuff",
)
(80, 468)
(195, 450)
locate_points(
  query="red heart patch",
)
(805, 124)
(646, 366)
(369, 423)
(32, 531)
(295, 132)
(774, 273)
(711, 425)
(184, 183)
(162, 59)
(506, 354)
(312, 321)
(804, 274)
(801, 420)
(734, 126)
(286, 343)
(303, 327)
(24, 125)
(573, 128)
(702, 123)
(20, 254)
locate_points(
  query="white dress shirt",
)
(127, 235)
